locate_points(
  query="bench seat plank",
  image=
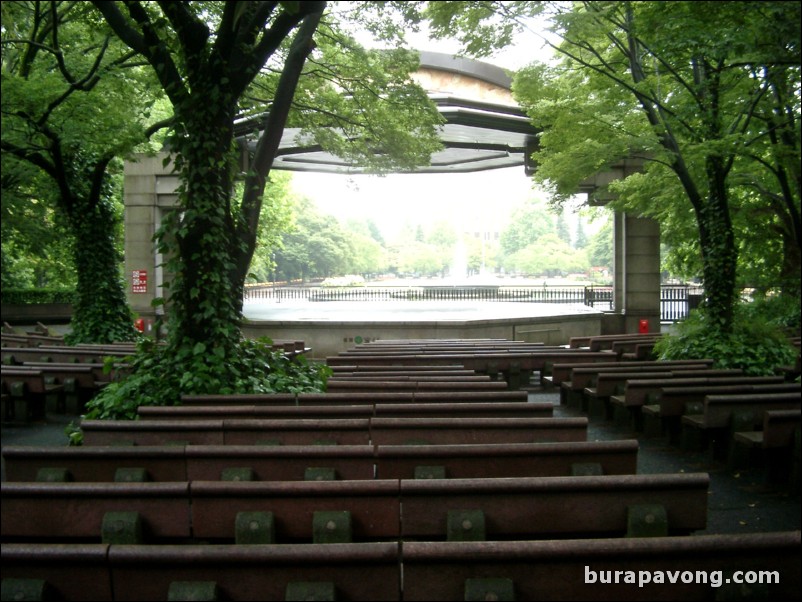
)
(558, 569)
(537, 507)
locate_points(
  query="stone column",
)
(637, 271)
(149, 189)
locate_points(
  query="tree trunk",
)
(719, 253)
(205, 301)
(100, 309)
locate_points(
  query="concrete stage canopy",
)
(484, 127)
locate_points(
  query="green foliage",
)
(37, 296)
(160, 378)
(753, 345)
(779, 310)
(71, 102)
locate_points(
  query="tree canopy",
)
(270, 65)
(73, 102)
(706, 92)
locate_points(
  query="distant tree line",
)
(534, 242)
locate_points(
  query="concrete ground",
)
(740, 501)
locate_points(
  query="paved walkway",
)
(740, 501)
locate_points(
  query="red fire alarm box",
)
(643, 326)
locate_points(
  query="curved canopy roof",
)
(478, 134)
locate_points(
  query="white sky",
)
(471, 201)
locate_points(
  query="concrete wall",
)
(149, 192)
(329, 338)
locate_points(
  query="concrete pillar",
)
(149, 190)
(637, 271)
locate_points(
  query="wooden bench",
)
(562, 372)
(357, 571)
(723, 415)
(233, 431)
(78, 382)
(506, 460)
(546, 507)
(26, 394)
(401, 373)
(29, 340)
(621, 347)
(371, 398)
(641, 351)
(633, 569)
(59, 354)
(596, 398)
(310, 462)
(573, 380)
(377, 510)
(601, 342)
(775, 446)
(75, 511)
(454, 431)
(89, 463)
(662, 403)
(513, 409)
(514, 366)
(568, 569)
(345, 431)
(335, 385)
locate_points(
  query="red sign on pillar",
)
(139, 281)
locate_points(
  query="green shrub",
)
(755, 345)
(781, 310)
(158, 378)
(37, 296)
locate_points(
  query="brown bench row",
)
(310, 462)
(397, 372)
(562, 372)
(63, 354)
(659, 411)
(305, 399)
(365, 510)
(721, 416)
(344, 431)
(356, 384)
(516, 367)
(575, 381)
(499, 409)
(35, 388)
(687, 568)
(601, 342)
(604, 385)
(26, 394)
(29, 340)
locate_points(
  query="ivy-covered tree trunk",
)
(204, 295)
(719, 252)
(100, 309)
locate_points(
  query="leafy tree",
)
(275, 220)
(219, 60)
(35, 249)
(366, 251)
(600, 247)
(562, 228)
(581, 238)
(72, 103)
(527, 223)
(707, 92)
(549, 255)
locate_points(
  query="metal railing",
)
(675, 300)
